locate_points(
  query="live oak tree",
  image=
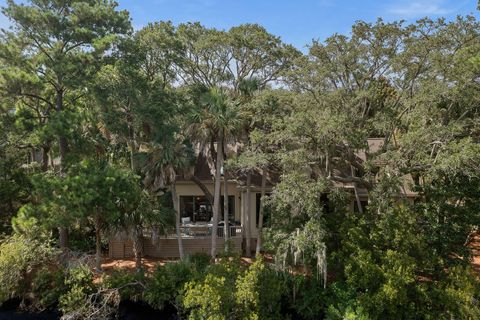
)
(389, 81)
(52, 52)
(231, 60)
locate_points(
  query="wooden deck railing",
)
(204, 231)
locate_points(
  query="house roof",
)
(203, 172)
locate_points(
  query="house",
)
(196, 213)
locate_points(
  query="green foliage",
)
(305, 294)
(231, 291)
(128, 284)
(199, 260)
(14, 184)
(259, 292)
(79, 282)
(20, 256)
(84, 99)
(48, 286)
(166, 284)
(212, 298)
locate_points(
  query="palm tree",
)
(215, 121)
(151, 213)
(163, 166)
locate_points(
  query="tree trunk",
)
(204, 189)
(63, 149)
(137, 248)
(355, 189)
(248, 235)
(260, 214)
(98, 244)
(226, 224)
(177, 220)
(45, 150)
(216, 195)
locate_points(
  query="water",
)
(127, 310)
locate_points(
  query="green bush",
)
(128, 284)
(229, 290)
(212, 295)
(199, 260)
(79, 282)
(211, 298)
(47, 287)
(166, 283)
(259, 292)
(20, 257)
(307, 295)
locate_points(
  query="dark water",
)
(9, 311)
(127, 310)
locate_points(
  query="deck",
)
(195, 240)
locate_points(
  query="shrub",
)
(462, 291)
(128, 284)
(210, 298)
(307, 296)
(47, 287)
(19, 257)
(230, 291)
(85, 300)
(259, 292)
(212, 295)
(79, 282)
(167, 283)
(200, 261)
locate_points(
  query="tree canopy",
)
(369, 143)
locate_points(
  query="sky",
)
(297, 22)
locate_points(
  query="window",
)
(198, 209)
(364, 204)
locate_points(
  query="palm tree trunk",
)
(98, 243)
(137, 248)
(248, 235)
(226, 224)
(260, 214)
(216, 195)
(177, 220)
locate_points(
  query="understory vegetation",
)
(369, 143)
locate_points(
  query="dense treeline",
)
(97, 122)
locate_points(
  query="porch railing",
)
(203, 231)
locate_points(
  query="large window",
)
(198, 209)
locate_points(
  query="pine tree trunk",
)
(45, 150)
(98, 244)
(260, 215)
(177, 220)
(216, 195)
(63, 149)
(248, 235)
(226, 224)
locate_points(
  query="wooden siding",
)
(168, 247)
